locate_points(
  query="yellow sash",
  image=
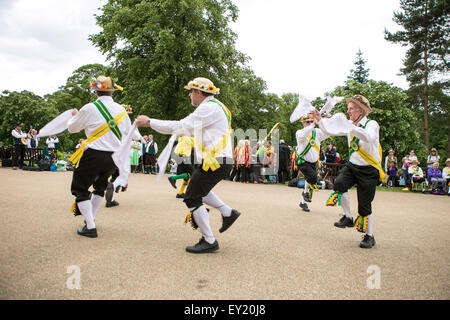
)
(368, 158)
(75, 158)
(209, 156)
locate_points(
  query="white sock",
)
(202, 220)
(369, 227)
(302, 199)
(86, 210)
(306, 187)
(96, 202)
(345, 204)
(212, 200)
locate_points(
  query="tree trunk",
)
(425, 93)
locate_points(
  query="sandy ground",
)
(273, 251)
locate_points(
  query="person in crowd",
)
(338, 157)
(446, 175)
(405, 167)
(330, 153)
(33, 141)
(432, 158)
(389, 158)
(151, 151)
(255, 163)
(134, 155)
(392, 175)
(412, 156)
(416, 174)
(284, 164)
(435, 177)
(19, 146)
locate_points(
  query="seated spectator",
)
(416, 175)
(446, 175)
(435, 177)
(392, 175)
(432, 158)
(389, 158)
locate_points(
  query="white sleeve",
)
(156, 148)
(77, 122)
(15, 134)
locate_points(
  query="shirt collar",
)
(105, 98)
(207, 99)
(363, 121)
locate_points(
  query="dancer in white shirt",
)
(363, 169)
(104, 122)
(210, 128)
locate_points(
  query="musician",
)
(33, 140)
(52, 145)
(19, 146)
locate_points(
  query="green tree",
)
(426, 25)
(360, 73)
(25, 107)
(158, 46)
(398, 125)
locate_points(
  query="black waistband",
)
(100, 151)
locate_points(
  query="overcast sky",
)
(301, 46)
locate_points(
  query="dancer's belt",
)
(111, 124)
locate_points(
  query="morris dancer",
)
(185, 165)
(363, 169)
(210, 125)
(307, 155)
(104, 121)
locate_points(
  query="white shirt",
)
(208, 123)
(446, 173)
(51, 142)
(416, 172)
(36, 139)
(155, 146)
(90, 119)
(302, 142)
(17, 134)
(369, 139)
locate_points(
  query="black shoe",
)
(90, 233)
(172, 182)
(111, 204)
(109, 192)
(228, 221)
(180, 196)
(203, 247)
(306, 196)
(368, 242)
(304, 207)
(344, 222)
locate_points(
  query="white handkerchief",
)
(329, 105)
(303, 107)
(163, 158)
(122, 158)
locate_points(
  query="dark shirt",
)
(392, 171)
(285, 155)
(330, 155)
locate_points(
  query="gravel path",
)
(273, 251)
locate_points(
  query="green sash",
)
(109, 119)
(311, 144)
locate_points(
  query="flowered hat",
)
(103, 83)
(447, 161)
(307, 117)
(362, 102)
(202, 84)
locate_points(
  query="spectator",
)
(322, 154)
(432, 158)
(392, 174)
(52, 145)
(435, 177)
(446, 175)
(79, 144)
(405, 168)
(412, 156)
(285, 156)
(134, 155)
(389, 158)
(338, 157)
(330, 153)
(416, 174)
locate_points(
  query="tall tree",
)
(361, 72)
(157, 46)
(426, 25)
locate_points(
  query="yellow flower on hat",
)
(202, 84)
